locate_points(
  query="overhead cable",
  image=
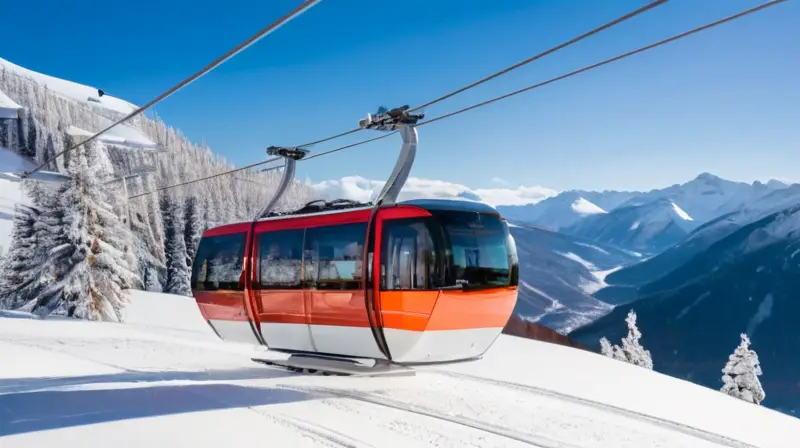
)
(304, 6)
(442, 98)
(631, 14)
(508, 95)
(607, 61)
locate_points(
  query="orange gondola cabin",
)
(413, 282)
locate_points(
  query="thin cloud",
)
(362, 189)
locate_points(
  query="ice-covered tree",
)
(193, 228)
(740, 374)
(631, 350)
(19, 264)
(93, 266)
(178, 273)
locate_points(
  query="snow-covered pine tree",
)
(49, 232)
(93, 266)
(740, 374)
(631, 350)
(19, 265)
(631, 346)
(178, 273)
(193, 228)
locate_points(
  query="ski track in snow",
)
(689, 430)
(143, 381)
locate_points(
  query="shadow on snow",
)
(23, 385)
(39, 411)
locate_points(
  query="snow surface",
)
(119, 135)
(8, 108)
(583, 207)
(164, 379)
(71, 90)
(682, 214)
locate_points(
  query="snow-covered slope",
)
(8, 108)
(564, 209)
(708, 196)
(163, 379)
(703, 198)
(745, 282)
(699, 240)
(648, 228)
(558, 275)
(71, 90)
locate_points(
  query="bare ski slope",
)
(163, 379)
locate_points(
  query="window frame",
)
(274, 236)
(443, 249)
(312, 236)
(436, 246)
(235, 285)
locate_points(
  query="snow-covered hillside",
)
(703, 198)
(708, 196)
(649, 228)
(697, 241)
(163, 379)
(558, 275)
(71, 90)
(745, 282)
(56, 113)
(553, 213)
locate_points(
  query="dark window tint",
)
(333, 256)
(477, 248)
(281, 259)
(409, 255)
(218, 264)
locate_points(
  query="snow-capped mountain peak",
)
(583, 207)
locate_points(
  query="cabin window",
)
(281, 259)
(479, 248)
(218, 263)
(333, 256)
(408, 255)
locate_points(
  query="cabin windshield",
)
(451, 249)
(478, 248)
(218, 263)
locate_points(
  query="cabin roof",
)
(451, 204)
(427, 204)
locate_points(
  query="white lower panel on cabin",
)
(439, 345)
(235, 331)
(287, 336)
(354, 341)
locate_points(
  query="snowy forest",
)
(77, 247)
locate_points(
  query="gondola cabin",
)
(439, 283)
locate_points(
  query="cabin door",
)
(337, 309)
(278, 284)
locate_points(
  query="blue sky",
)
(726, 100)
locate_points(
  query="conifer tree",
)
(92, 265)
(631, 350)
(178, 274)
(193, 228)
(740, 374)
(18, 264)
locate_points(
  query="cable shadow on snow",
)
(45, 410)
(22, 385)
